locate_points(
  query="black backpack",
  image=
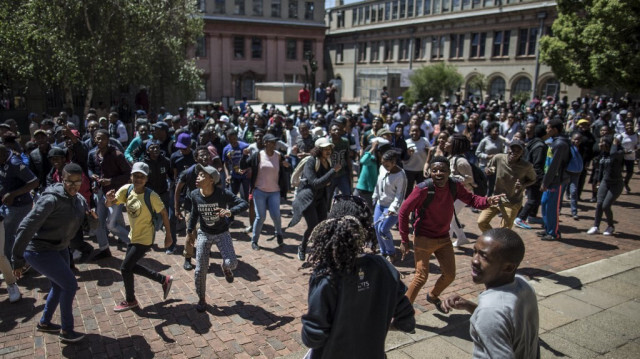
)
(431, 193)
(479, 177)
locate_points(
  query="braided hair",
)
(460, 144)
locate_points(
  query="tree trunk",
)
(87, 100)
(68, 97)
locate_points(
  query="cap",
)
(215, 175)
(184, 141)
(381, 141)
(163, 125)
(517, 143)
(152, 143)
(40, 132)
(269, 138)
(140, 167)
(582, 121)
(224, 119)
(323, 142)
(383, 131)
(173, 119)
(180, 109)
(4, 125)
(56, 152)
(141, 113)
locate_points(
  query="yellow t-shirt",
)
(142, 229)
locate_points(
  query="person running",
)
(345, 288)
(142, 205)
(388, 196)
(431, 228)
(611, 182)
(43, 242)
(505, 322)
(457, 145)
(211, 206)
(629, 142)
(536, 154)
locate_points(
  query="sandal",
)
(437, 302)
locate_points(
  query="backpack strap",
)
(431, 193)
(147, 200)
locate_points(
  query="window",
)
(293, 9)
(410, 8)
(374, 13)
(354, 17)
(339, 53)
(436, 6)
(445, 5)
(307, 47)
(292, 49)
(488, 3)
(375, 51)
(362, 52)
(551, 87)
(417, 49)
(466, 4)
(477, 4)
(388, 50)
(256, 48)
(275, 8)
(380, 12)
(340, 17)
(497, 87)
(456, 5)
(360, 15)
(404, 49)
(201, 5)
(218, 7)
(478, 40)
(403, 8)
(309, 6)
(238, 7)
(437, 47)
(501, 43)
(238, 47)
(456, 51)
(387, 10)
(367, 13)
(201, 47)
(527, 41)
(394, 10)
(257, 8)
(522, 85)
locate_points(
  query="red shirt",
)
(437, 216)
(304, 96)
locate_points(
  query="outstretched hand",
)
(495, 200)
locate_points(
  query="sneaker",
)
(626, 187)
(255, 246)
(201, 306)
(280, 240)
(535, 220)
(187, 264)
(248, 229)
(14, 293)
(609, 231)
(593, 230)
(70, 337)
(461, 242)
(170, 250)
(575, 217)
(521, 224)
(166, 286)
(548, 237)
(541, 233)
(301, 253)
(48, 328)
(124, 305)
(105, 253)
(593, 200)
(228, 274)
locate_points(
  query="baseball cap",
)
(56, 152)
(140, 167)
(184, 141)
(141, 113)
(323, 142)
(39, 132)
(152, 143)
(383, 131)
(582, 121)
(224, 119)
(162, 125)
(381, 141)
(517, 143)
(269, 138)
(210, 171)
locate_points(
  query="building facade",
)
(250, 41)
(372, 44)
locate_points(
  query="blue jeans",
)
(342, 184)
(55, 266)
(263, 201)
(551, 202)
(383, 230)
(13, 215)
(166, 200)
(573, 186)
(109, 218)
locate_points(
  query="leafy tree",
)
(595, 43)
(432, 81)
(100, 44)
(480, 82)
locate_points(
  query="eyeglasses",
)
(72, 183)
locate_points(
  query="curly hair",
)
(344, 205)
(337, 242)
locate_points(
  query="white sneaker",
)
(461, 242)
(609, 231)
(14, 293)
(593, 230)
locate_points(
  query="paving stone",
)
(594, 296)
(569, 306)
(589, 336)
(622, 325)
(436, 348)
(550, 319)
(553, 346)
(627, 351)
(619, 288)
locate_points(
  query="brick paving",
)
(258, 315)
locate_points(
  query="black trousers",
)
(313, 215)
(530, 208)
(130, 266)
(607, 195)
(413, 178)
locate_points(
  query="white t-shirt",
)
(416, 162)
(630, 145)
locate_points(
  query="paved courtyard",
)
(258, 315)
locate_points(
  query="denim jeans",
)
(342, 184)
(263, 201)
(572, 187)
(551, 203)
(55, 266)
(383, 229)
(13, 215)
(109, 218)
(237, 183)
(166, 200)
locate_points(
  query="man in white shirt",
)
(417, 147)
(117, 129)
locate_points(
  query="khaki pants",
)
(443, 250)
(509, 213)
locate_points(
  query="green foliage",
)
(480, 82)
(595, 43)
(94, 44)
(522, 97)
(432, 81)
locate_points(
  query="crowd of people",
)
(415, 167)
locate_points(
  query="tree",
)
(595, 43)
(432, 81)
(479, 81)
(100, 44)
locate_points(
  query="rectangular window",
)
(456, 49)
(501, 43)
(238, 47)
(293, 9)
(394, 10)
(354, 17)
(403, 8)
(436, 6)
(307, 47)
(201, 5)
(404, 49)
(437, 47)
(387, 10)
(417, 49)
(275, 8)
(340, 21)
(339, 53)
(375, 51)
(466, 4)
(410, 8)
(362, 52)
(360, 15)
(488, 3)
(367, 13)
(374, 13)
(238, 7)
(477, 4)
(309, 7)
(456, 5)
(445, 5)
(256, 48)
(218, 6)
(478, 41)
(388, 50)
(292, 49)
(380, 12)
(527, 41)
(427, 7)
(257, 8)
(418, 7)
(201, 47)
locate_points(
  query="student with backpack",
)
(432, 203)
(142, 205)
(457, 145)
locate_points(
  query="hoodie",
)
(51, 224)
(558, 156)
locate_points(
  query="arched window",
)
(522, 85)
(550, 87)
(497, 87)
(472, 90)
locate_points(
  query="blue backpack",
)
(576, 164)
